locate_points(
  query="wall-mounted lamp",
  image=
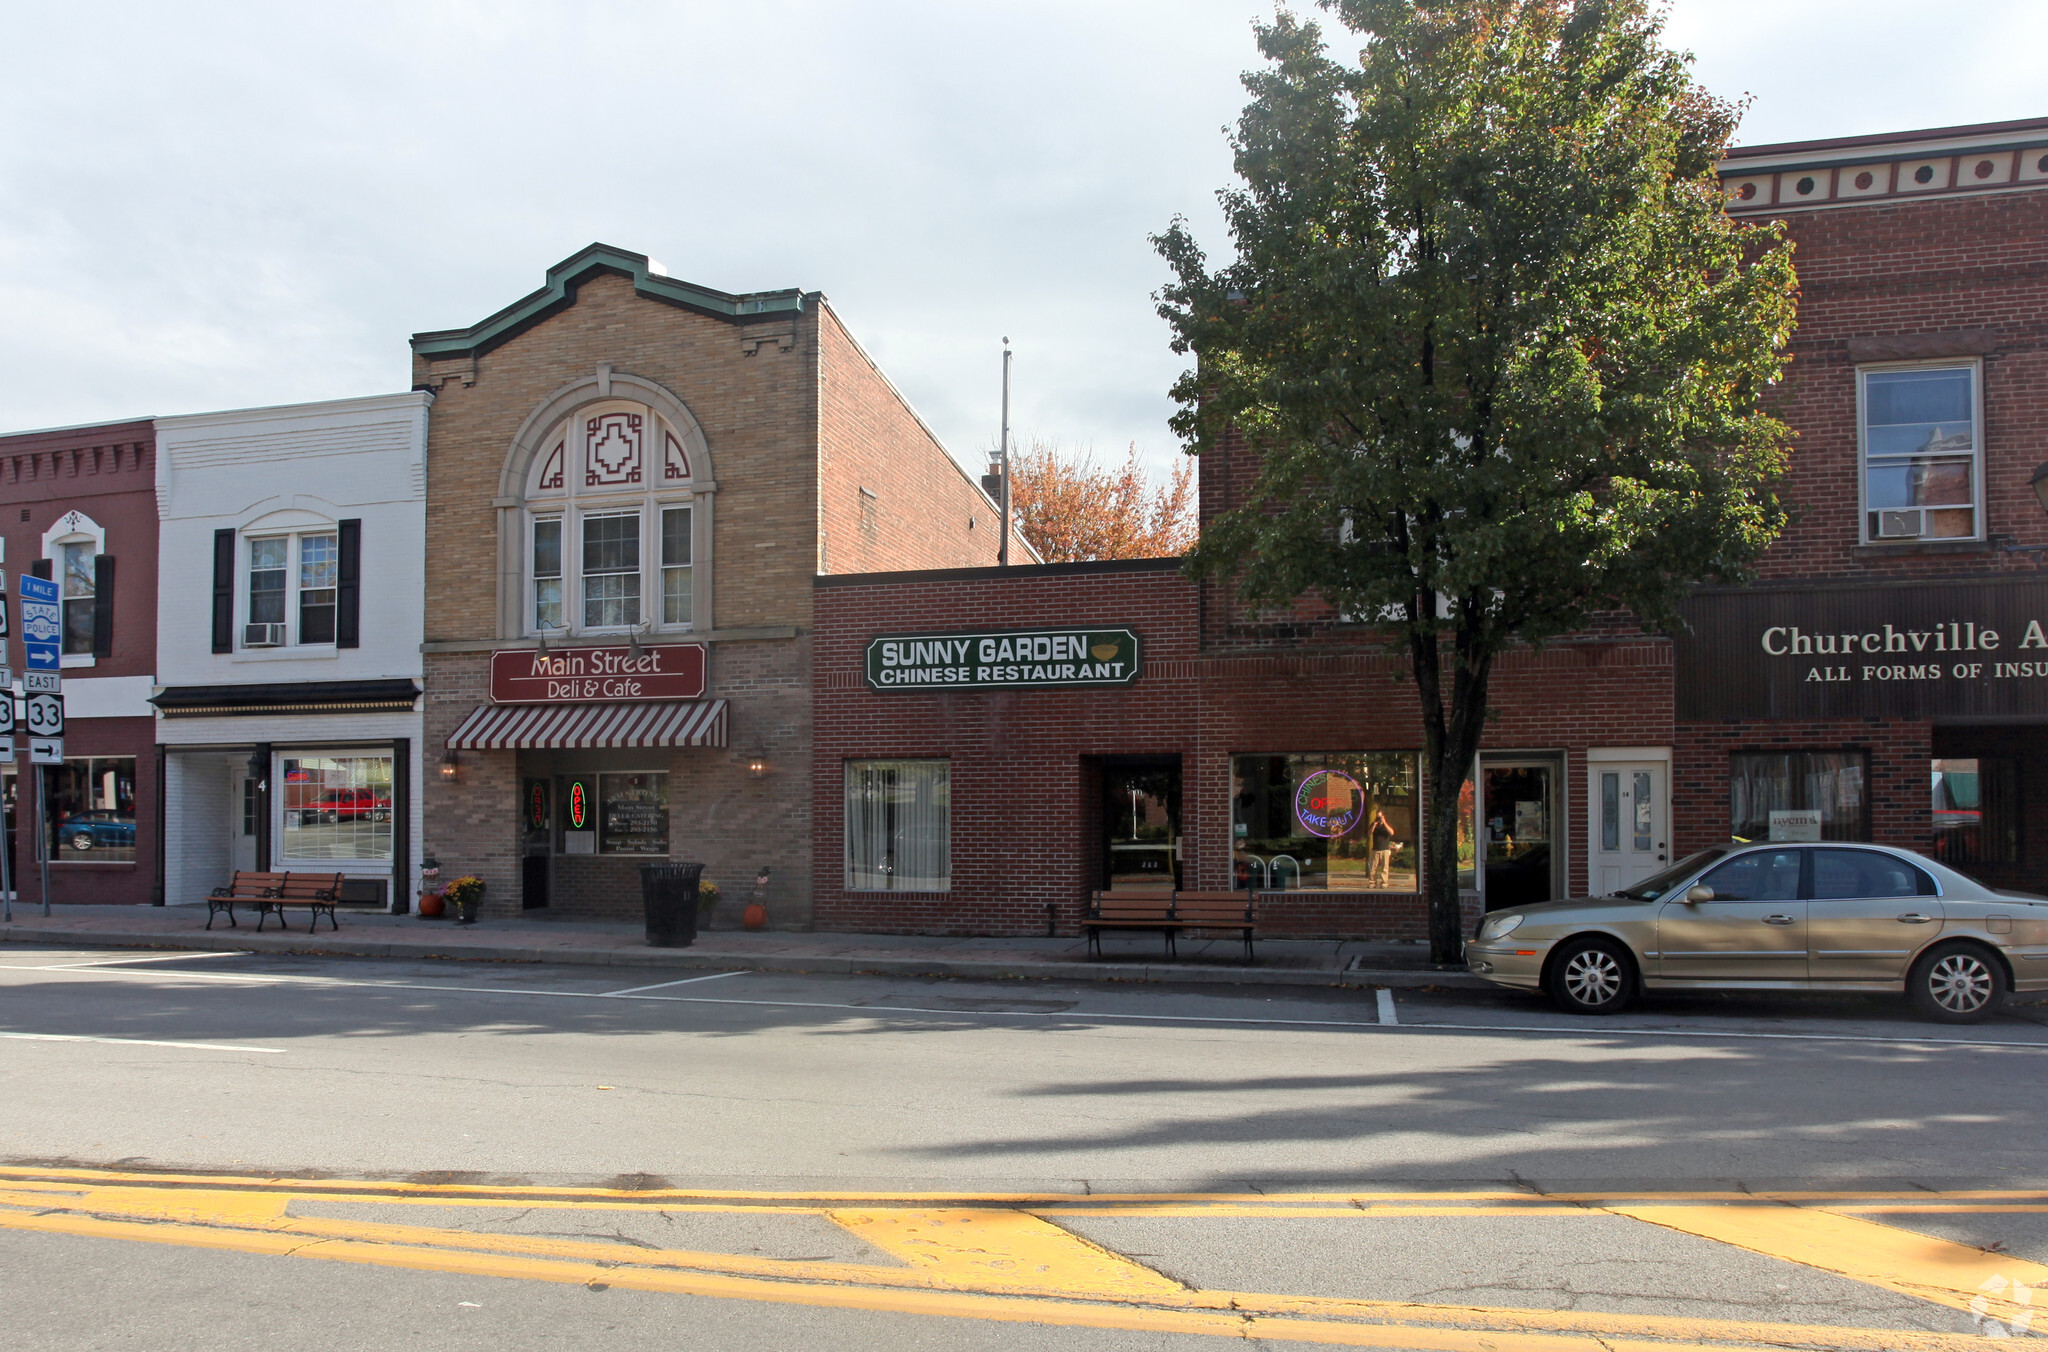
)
(633, 653)
(451, 765)
(259, 767)
(757, 768)
(540, 649)
(2039, 483)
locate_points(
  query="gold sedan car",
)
(1779, 917)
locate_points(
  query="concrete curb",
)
(698, 958)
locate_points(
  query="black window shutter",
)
(223, 591)
(348, 603)
(103, 605)
(40, 568)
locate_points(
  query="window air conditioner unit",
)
(262, 636)
(1898, 525)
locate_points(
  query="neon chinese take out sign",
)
(1328, 803)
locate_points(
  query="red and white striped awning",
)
(510, 727)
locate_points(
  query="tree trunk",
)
(1450, 741)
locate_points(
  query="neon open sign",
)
(579, 805)
(1328, 803)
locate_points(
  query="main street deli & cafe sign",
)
(598, 675)
(1009, 659)
(1941, 650)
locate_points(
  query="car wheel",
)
(1957, 983)
(1593, 976)
(82, 841)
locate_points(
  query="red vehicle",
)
(349, 805)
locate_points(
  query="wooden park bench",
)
(255, 888)
(270, 893)
(317, 892)
(1168, 914)
(1219, 911)
(1128, 911)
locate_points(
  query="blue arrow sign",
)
(42, 624)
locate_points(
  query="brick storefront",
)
(84, 496)
(1027, 766)
(1918, 253)
(622, 458)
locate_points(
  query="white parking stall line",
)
(664, 985)
(1386, 1003)
(139, 1042)
(155, 957)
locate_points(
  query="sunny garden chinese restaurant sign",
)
(1032, 658)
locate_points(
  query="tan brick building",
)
(631, 483)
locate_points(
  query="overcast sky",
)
(208, 206)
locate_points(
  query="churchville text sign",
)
(598, 675)
(1035, 658)
(1920, 651)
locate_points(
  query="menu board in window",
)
(633, 813)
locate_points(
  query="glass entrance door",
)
(1629, 812)
(1524, 845)
(537, 843)
(1141, 828)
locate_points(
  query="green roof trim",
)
(600, 260)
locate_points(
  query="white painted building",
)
(289, 621)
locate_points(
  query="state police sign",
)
(1026, 658)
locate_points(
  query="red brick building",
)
(962, 788)
(76, 502)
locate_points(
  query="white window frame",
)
(573, 503)
(245, 595)
(1975, 366)
(70, 529)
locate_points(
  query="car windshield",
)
(1657, 884)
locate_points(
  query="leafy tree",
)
(1071, 510)
(1497, 343)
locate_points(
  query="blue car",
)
(100, 829)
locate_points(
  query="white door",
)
(242, 820)
(1629, 822)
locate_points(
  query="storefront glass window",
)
(1345, 821)
(1976, 811)
(899, 826)
(335, 807)
(632, 813)
(92, 810)
(1793, 785)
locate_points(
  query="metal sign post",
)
(42, 629)
(6, 758)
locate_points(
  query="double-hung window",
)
(293, 590)
(675, 565)
(547, 574)
(611, 570)
(1922, 447)
(78, 594)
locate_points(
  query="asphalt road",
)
(533, 1157)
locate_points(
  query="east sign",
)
(598, 675)
(1006, 659)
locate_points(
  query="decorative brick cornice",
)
(597, 260)
(1991, 157)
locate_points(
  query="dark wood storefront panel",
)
(1941, 650)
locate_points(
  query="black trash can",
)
(669, 892)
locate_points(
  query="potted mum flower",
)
(707, 903)
(464, 895)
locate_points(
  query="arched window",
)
(610, 524)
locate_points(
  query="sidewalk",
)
(1135, 957)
